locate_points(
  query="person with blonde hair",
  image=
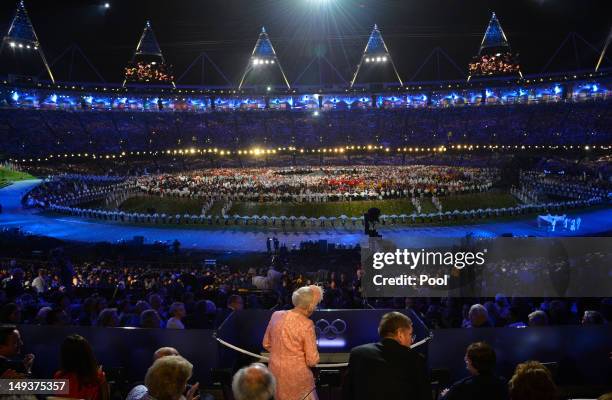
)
(290, 338)
(167, 379)
(532, 381)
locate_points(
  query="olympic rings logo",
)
(330, 330)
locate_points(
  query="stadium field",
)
(8, 176)
(176, 205)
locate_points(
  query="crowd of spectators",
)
(104, 294)
(40, 133)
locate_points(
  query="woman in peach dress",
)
(290, 338)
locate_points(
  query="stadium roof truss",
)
(376, 48)
(148, 46)
(21, 35)
(263, 53)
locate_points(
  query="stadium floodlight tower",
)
(264, 60)
(21, 38)
(495, 57)
(376, 55)
(603, 51)
(148, 64)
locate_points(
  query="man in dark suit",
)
(483, 384)
(10, 347)
(389, 369)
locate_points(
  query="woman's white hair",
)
(167, 377)
(303, 297)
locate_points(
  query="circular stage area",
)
(254, 239)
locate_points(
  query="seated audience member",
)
(234, 303)
(79, 366)
(254, 382)
(591, 317)
(532, 381)
(10, 348)
(202, 317)
(538, 318)
(164, 352)
(40, 282)
(478, 317)
(389, 369)
(150, 319)
(483, 383)
(140, 391)
(167, 379)
(108, 318)
(10, 313)
(177, 313)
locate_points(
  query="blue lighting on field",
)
(522, 92)
(333, 343)
(594, 88)
(488, 93)
(424, 98)
(557, 89)
(53, 98)
(88, 99)
(15, 96)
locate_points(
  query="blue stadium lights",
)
(315, 114)
(594, 88)
(15, 96)
(557, 89)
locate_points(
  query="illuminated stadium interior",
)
(179, 179)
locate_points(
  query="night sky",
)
(300, 29)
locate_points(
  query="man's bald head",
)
(254, 382)
(165, 351)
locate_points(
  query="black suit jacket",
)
(479, 387)
(386, 371)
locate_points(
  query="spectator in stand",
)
(254, 382)
(234, 303)
(538, 318)
(10, 313)
(10, 348)
(167, 379)
(40, 282)
(202, 317)
(108, 318)
(592, 317)
(532, 381)
(149, 319)
(478, 317)
(14, 284)
(78, 364)
(389, 369)
(482, 384)
(177, 313)
(290, 338)
(140, 391)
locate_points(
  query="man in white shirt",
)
(40, 282)
(177, 313)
